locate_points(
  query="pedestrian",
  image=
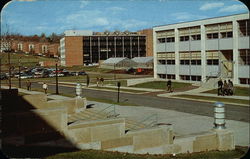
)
(230, 87)
(45, 87)
(87, 80)
(97, 81)
(225, 88)
(169, 86)
(28, 84)
(220, 85)
(102, 81)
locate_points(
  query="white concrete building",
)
(198, 50)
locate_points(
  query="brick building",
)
(84, 47)
(149, 40)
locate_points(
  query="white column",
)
(203, 53)
(155, 53)
(177, 56)
(235, 52)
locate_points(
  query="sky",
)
(30, 17)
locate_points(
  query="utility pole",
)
(118, 91)
(56, 79)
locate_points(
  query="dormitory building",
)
(83, 47)
(203, 49)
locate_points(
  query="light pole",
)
(19, 72)
(57, 92)
(118, 91)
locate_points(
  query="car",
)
(25, 76)
(3, 76)
(82, 73)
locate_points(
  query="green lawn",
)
(238, 91)
(161, 85)
(26, 60)
(236, 101)
(98, 154)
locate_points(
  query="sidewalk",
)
(183, 123)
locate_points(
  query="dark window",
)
(213, 62)
(171, 62)
(244, 80)
(161, 40)
(184, 38)
(162, 61)
(171, 39)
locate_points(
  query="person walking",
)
(45, 87)
(97, 81)
(169, 86)
(230, 87)
(102, 81)
(225, 88)
(87, 83)
(220, 85)
(28, 84)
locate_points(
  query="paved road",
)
(233, 112)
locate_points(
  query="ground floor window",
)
(163, 76)
(170, 76)
(190, 78)
(244, 80)
(213, 62)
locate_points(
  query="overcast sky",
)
(29, 17)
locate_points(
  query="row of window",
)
(182, 77)
(198, 37)
(188, 62)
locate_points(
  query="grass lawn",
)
(98, 154)
(26, 60)
(161, 85)
(236, 101)
(238, 91)
(125, 90)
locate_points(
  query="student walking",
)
(28, 84)
(102, 81)
(169, 86)
(87, 80)
(45, 87)
(220, 85)
(225, 88)
(97, 81)
(230, 87)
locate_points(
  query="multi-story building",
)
(84, 47)
(198, 50)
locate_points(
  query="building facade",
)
(85, 47)
(198, 50)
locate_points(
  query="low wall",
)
(131, 82)
(39, 101)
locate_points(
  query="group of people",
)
(225, 88)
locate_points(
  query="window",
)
(244, 80)
(171, 62)
(162, 76)
(171, 39)
(184, 62)
(170, 76)
(213, 62)
(161, 40)
(184, 38)
(226, 34)
(196, 37)
(244, 57)
(192, 78)
(195, 62)
(161, 61)
(213, 36)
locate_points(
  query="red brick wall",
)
(53, 50)
(149, 41)
(73, 50)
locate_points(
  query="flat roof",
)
(200, 19)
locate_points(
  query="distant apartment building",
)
(36, 48)
(85, 47)
(198, 50)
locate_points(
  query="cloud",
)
(208, 6)
(234, 8)
(116, 9)
(83, 3)
(184, 16)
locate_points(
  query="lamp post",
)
(57, 92)
(9, 69)
(19, 72)
(118, 91)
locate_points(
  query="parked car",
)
(24, 76)
(3, 76)
(82, 73)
